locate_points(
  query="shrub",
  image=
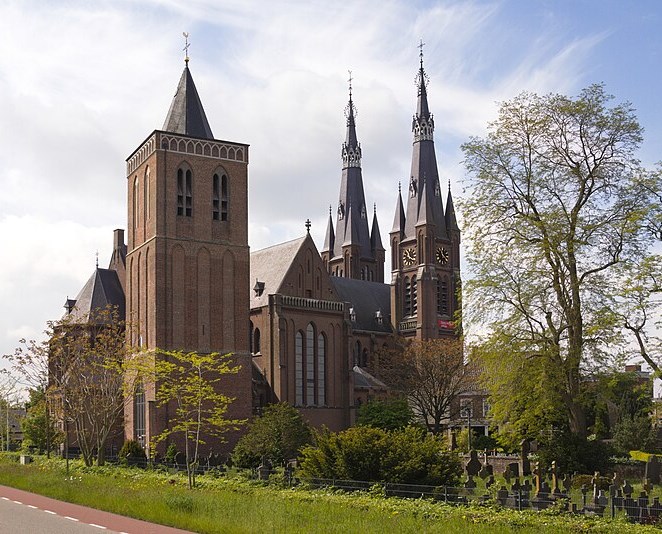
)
(278, 434)
(574, 454)
(132, 453)
(634, 433)
(408, 456)
(390, 414)
(171, 453)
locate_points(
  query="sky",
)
(83, 83)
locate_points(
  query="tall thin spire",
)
(330, 238)
(352, 220)
(424, 204)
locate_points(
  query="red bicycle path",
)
(84, 514)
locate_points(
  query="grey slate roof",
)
(363, 379)
(103, 289)
(270, 265)
(186, 115)
(366, 298)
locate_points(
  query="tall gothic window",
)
(442, 295)
(406, 310)
(224, 198)
(414, 296)
(216, 203)
(310, 367)
(139, 418)
(146, 194)
(321, 370)
(135, 207)
(184, 193)
(298, 367)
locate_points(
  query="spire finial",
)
(449, 184)
(350, 83)
(308, 224)
(330, 210)
(420, 47)
(399, 187)
(185, 49)
(97, 258)
(374, 205)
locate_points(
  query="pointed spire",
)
(424, 201)
(349, 228)
(451, 220)
(330, 239)
(375, 235)
(399, 219)
(351, 149)
(186, 115)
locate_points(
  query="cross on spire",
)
(308, 224)
(97, 258)
(186, 46)
(350, 83)
(420, 47)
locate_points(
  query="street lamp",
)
(466, 412)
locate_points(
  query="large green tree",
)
(557, 202)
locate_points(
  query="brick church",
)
(304, 323)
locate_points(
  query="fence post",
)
(519, 499)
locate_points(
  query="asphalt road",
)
(28, 513)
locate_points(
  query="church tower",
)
(187, 265)
(351, 251)
(425, 240)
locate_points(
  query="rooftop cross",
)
(308, 224)
(186, 46)
(420, 47)
(350, 83)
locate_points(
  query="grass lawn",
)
(232, 504)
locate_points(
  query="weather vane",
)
(350, 83)
(186, 45)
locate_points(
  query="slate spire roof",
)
(186, 115)
(375, 235)
(451, 220)
(352, 219)
(102, 290)
(330, 238)
(424, 203)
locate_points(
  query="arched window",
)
(184, 192)
(364, 358)
(250, 337)
(442, 295)
(189, 194)
(406, 309)
(414, 296)
(298, 368)
(135, 208)
(321, 370)
(225, 198)
(139, 414)
(216, 196)
(256, 341)
(310, 365)
(357, 353)
(146, 199)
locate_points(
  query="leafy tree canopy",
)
(557, 203)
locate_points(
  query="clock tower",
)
(425, 240)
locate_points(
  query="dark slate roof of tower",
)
(352, 220)
(375, 235)
(330, 237)
(424, 204)
(366, 298)
(399, 219)
(101, 291)
(186, 115)
(451, 220)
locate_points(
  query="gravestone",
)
(566, 481)
(473, 466)
(524, 462)
(627, 489)
(652, 471)
(617, 480)
(470, 483)
(537, 476)
(555, 479)
(655, 509)
(490, 481)
(264, 470)
(507, 474)
(502, 495)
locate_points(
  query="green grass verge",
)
(234, 505)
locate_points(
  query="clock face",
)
(441, 255)
(409, 256)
